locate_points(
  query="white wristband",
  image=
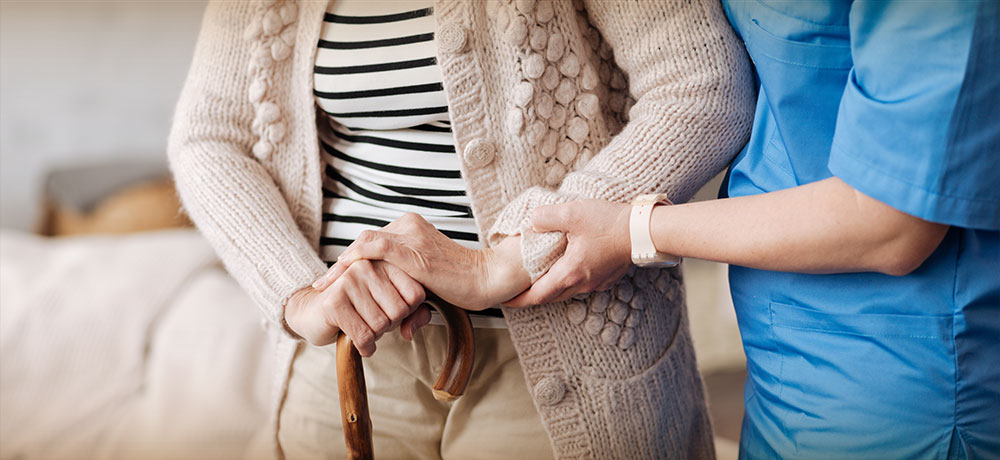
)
(644, 253)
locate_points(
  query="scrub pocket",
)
(864, 385)
(792, 70)
(797, 53)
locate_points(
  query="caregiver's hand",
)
(469, 278)
(367, 300)
(598, 251)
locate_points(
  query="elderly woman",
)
(302, 125)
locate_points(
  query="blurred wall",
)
(82, 81)
(714, 330)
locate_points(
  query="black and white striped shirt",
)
(390, 150)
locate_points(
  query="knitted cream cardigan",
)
(549, 101)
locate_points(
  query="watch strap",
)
(644, 253)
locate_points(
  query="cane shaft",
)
(353, 401)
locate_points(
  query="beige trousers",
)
(495, 419)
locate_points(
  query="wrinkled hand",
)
(367, 300)
(468, 278)
(598, 250)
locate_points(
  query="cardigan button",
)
(479, 153)
(451, 38)
(549, 391)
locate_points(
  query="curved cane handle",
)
(356, 420)
(457, 368)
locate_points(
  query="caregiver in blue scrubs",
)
(862, 227)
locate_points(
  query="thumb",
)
(550, 218)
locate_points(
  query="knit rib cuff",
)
(295, 274)
(538, 250)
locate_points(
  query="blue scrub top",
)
(901, 100)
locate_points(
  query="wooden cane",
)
(353, 401)
(451, 383)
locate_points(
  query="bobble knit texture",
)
(550, 101)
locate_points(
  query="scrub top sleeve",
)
(919, 125)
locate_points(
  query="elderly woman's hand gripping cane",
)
(469, 278)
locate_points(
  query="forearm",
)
(823, 227)
(228, 193)
(241, 212)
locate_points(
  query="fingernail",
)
(320, 281)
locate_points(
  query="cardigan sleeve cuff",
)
(293, 274)
(538, 250)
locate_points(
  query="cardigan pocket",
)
(661, 403)
(630, 329)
